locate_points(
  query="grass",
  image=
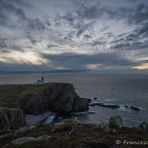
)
(11, 94)
(81, 135)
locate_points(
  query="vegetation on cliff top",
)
(10, 94)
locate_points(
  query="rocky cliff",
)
(10, 119)
(35, 99)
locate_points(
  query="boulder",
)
(10, 119)
(23, 140)
(115, 122)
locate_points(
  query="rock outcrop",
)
(115, 122)
(28, 139)
(36, 99)
(11, 119)
(57, 97)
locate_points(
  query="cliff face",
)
(11, 119)
(60, 98)
(35, 99)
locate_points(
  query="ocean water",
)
(131, 90)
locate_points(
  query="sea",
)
(118, 89)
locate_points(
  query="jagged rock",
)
(115, 122)
(10, 119)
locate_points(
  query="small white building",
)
(40, 82)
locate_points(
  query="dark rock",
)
(115, 122)
(95, 98)
(135, 108)
(126, 106)
(23, 140)
(56, 97)
(11, 119)
(89, 100)
(105, 105)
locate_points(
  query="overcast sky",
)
(74, 34)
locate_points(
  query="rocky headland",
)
(20, 103)
(19, 100)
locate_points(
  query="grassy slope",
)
(81, 135)
(10, 94)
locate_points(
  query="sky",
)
(101, 35)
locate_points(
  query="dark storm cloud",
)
(134, 15)
(97, 42)
(83, 28)
(78, 19)
(3, 42)
(79, 25)
(138, 39)
(15, 8)
(90, 12)
(8, 7)
(36, 27)
(72, 60)
(12, 9)
(139, 15)
(87, 36)
(52, 45)
(5, 51)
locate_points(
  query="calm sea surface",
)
(122, 90)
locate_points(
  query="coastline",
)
(37, 125)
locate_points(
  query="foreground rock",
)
(27, 139)
(10, 119)
(115, 122)
(36, 99)
(72, 134)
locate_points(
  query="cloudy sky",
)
(74, 34)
